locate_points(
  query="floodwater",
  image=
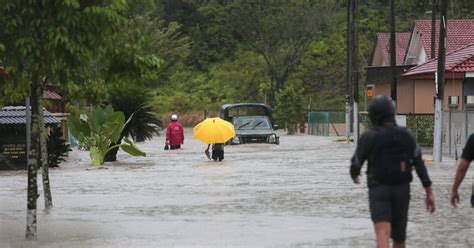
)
(297, 194)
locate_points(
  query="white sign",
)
(401, 120)
(470, 74)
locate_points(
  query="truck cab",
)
(253, 123)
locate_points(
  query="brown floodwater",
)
(297, 194)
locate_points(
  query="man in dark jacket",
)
(174, 133)
(466, 158)
(391, 152)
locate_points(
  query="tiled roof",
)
(461, 60)
(459, 33)
(17, 115)
(401, 40)
(47, 94)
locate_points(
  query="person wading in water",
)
(174, 133)
(391, 152)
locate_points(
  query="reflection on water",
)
(292, 195)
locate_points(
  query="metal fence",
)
(322, 123)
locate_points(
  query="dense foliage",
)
(228, 57)
(133, 101)
(195, 55)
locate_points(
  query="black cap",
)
(381, 110)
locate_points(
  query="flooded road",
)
(297, 194)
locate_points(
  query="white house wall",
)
(378, 57)
(416, 53)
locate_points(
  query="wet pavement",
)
(297, 194)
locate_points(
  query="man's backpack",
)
(392, 155)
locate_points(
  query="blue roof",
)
(11, 115)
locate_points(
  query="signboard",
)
(14, 152)
(370, 91)
(401, 120)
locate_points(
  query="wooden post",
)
(433, 28)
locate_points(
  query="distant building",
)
(416, 71)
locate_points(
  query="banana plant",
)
(99, 130)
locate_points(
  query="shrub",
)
(289, 107)
(57, 147)
(102, 128)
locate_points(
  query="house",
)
(52, 102)
(13, 134)
(459, 81)
(416, 78)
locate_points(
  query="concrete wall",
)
(405, 96)
(453, 88)
(405, 93)
(416, 95)
(424, 92)
(457, 126)
(382, 89)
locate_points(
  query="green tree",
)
(280, 31)
(243, 79)
(51, 41)
(205, 22)
(289, 108)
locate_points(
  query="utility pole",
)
(355, 69)
(347, 97)
(433, 28)
(393, 55)
(437, 152)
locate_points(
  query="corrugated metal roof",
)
(401, 40)
(461, 60)
(459, 33)
(17, 115)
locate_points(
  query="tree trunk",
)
(111, 156)
(34, 158)
(278, 84)
(48, 199)
(271, 98)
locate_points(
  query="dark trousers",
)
(218, 155)
(175, 147)
(390, 203)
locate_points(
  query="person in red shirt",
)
(174, 133)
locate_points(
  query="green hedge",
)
(422, 127)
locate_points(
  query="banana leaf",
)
(130, 148)
(79, 128)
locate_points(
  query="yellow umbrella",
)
(214, 130)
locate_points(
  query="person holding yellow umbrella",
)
(217, 152)
(215, 131)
